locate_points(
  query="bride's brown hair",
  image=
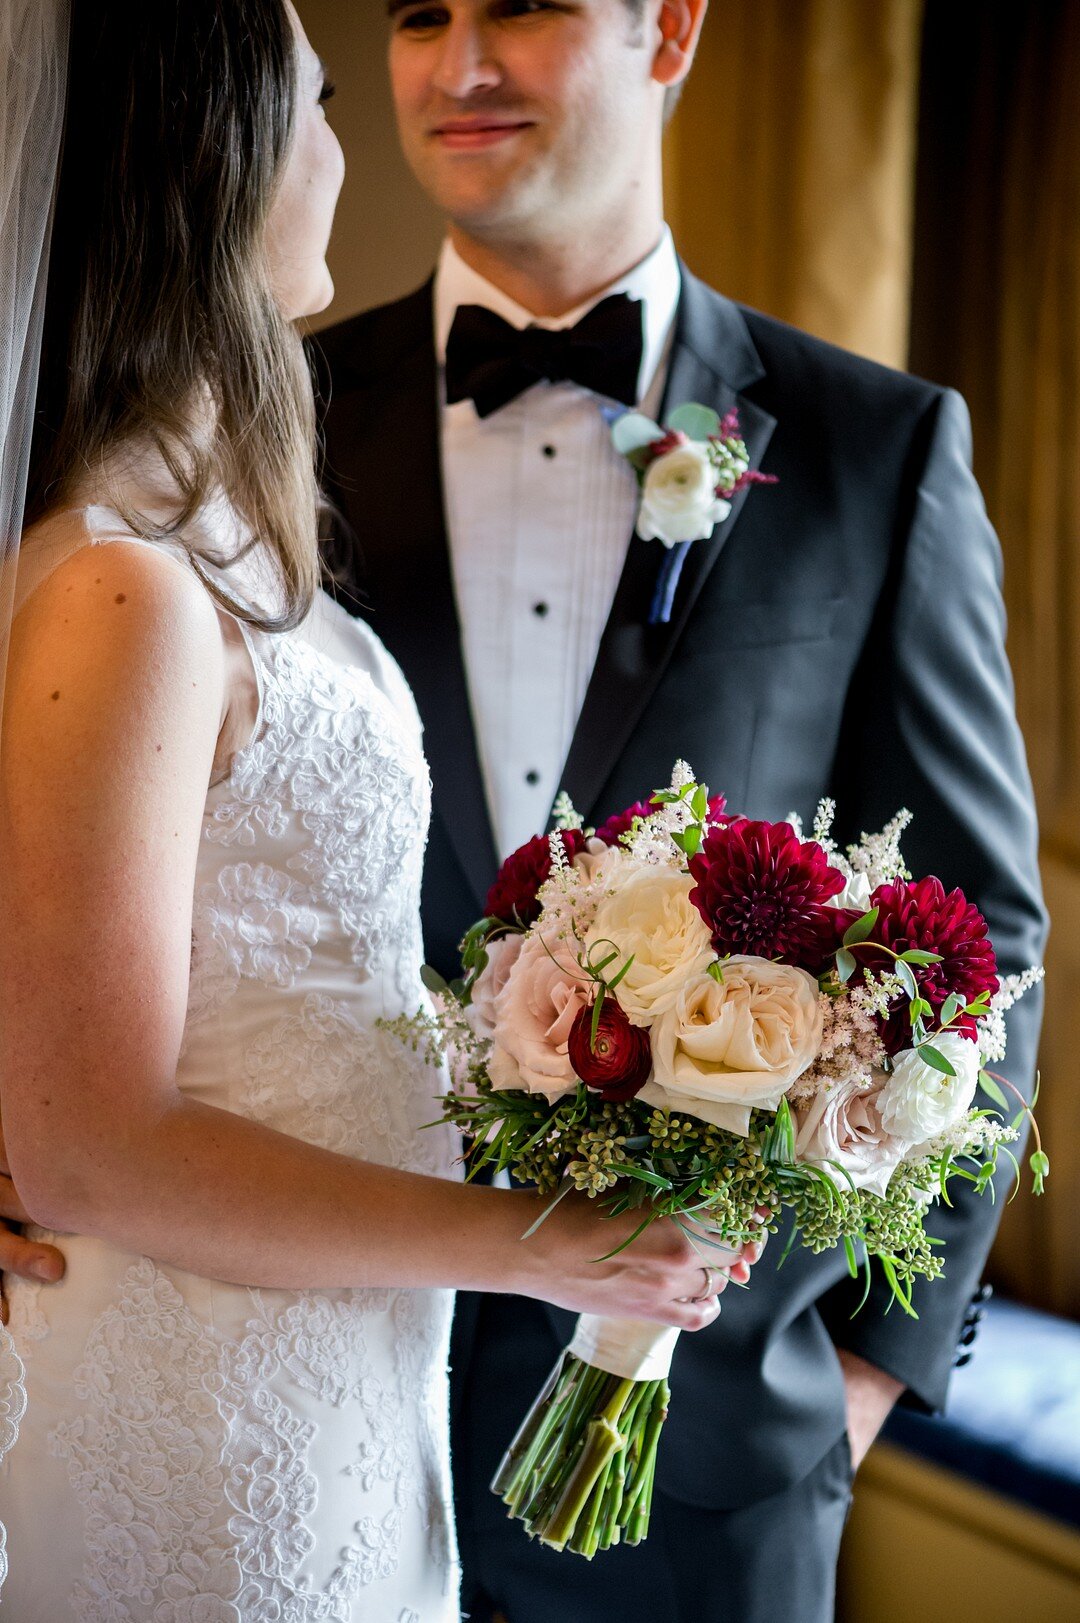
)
(179, 119)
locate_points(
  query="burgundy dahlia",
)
(921, 914)
(512, 897)
(613, 830)
(763, 892)
(617, 1064)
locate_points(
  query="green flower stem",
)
(562, 1442)
(528, 1431)
(602, 1441)
(579, 1474)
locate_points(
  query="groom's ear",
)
(679, 28)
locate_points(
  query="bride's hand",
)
(20, 1256)
(664, 1275)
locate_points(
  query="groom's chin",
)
(479, 191)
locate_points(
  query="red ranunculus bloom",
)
(762, 892)
(617, 1065)
(613, 830)
(921, 914)
(512, 897)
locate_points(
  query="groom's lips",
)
(472, 135)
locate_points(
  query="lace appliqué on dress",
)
(356, 779)
(12, 1409)
(175, 1422)
(252, 921)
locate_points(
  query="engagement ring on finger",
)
(708, 1292)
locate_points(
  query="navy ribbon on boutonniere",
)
(688, 474)
(667, 583)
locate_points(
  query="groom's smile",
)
(477, 134)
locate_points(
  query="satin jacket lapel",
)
(713, 358)
(409, 574)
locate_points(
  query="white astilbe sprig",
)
(878, 855)
(877, 994)
(824, 818)
(559, 895)
(565, 815)
(971, 1135)
(851, 1049)
(560, 862)
(650, 841)
(993, 1029)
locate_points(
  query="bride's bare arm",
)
(113, 710)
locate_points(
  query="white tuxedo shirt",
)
(540, 510)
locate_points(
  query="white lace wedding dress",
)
(185, 1451)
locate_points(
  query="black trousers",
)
(773, 1561)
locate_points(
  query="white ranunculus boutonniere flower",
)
(688, 473)
(678, 496)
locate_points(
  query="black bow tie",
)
(491, 363)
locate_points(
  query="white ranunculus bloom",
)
(723, 1048)
(651, 919)
(855, 894)
(679, 500)
(917, 1101)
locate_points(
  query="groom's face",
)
(517, 113)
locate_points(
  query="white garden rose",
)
(679, 500)
(724, 1047)
(843, 1125)
(918, 1102)
(650, 918)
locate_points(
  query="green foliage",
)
(696, 422)
(634, 432)
(632, 1157)
(861, 928)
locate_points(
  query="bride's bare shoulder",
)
(65, 566)
(115, 615)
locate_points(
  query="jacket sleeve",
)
(931, 725)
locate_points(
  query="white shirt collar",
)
(656, 281)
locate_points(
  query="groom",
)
(840, 633)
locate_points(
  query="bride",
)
(213, 807)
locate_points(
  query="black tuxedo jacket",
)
(841, 634)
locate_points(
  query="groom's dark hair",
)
(180, 117)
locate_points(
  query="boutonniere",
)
(688, 473)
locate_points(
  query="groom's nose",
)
(465, 64)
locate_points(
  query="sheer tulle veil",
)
(33, 79)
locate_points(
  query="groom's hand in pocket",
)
(18, 1255)
(870, 1395)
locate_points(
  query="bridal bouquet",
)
(692, 1015)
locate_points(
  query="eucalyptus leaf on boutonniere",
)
(688, 473)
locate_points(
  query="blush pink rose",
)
(502, 956)
(544, 993)
(843, 1125)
